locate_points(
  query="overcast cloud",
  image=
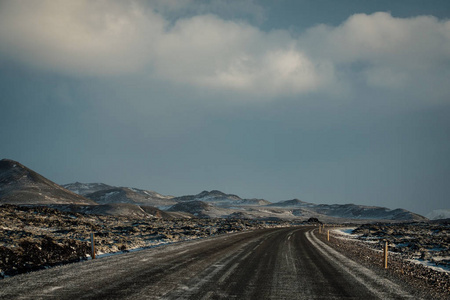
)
(226, 97)
(115, 37)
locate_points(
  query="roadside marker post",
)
(386, 254)
(328, 235)
(92, 246)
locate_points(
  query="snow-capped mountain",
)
(107, 194)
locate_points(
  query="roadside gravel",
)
(425, 282)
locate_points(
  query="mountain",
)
(291, 203)
(354, 211)
(86, 188)
(255, 202)
(349, 211)
(21, 185)
(200, 209)
(107, 194)
(439, 214)
(212, 196)
(221, 199)
(130, 195)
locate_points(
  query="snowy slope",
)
(439, 214)
(107, 194)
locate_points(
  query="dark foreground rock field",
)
(38, 237)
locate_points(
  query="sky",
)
(326, 101)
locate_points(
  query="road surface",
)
(277, 263)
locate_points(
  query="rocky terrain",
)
(428, 243)
(38, 237)
(43, 224)
(419, 253)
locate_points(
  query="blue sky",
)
(325, 101)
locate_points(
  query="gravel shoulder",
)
(424, 282)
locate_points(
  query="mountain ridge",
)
(20, 185)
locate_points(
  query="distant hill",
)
(212, 196)
(439, 214)
(86, 188)
(291, 203)
(21, 185)
(351, 211)
(106, 194)
(221, 199)
(200, 209)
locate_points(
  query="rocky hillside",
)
(130, 195)
(20, 185)
(350, 211)
(221, 199)
(106, 194)
(86, 188)
(439, 214)
(214, 196)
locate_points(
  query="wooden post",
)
(385, 254)
(328, 235)
(92, 246)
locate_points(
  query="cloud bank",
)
(115, 38)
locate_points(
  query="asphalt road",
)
(278, 263)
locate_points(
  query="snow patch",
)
(346, 231)
(430, 265)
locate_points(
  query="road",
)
(277, 263)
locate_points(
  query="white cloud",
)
(395, 51)
(81, 37)
(208, 51)
(114, 37)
